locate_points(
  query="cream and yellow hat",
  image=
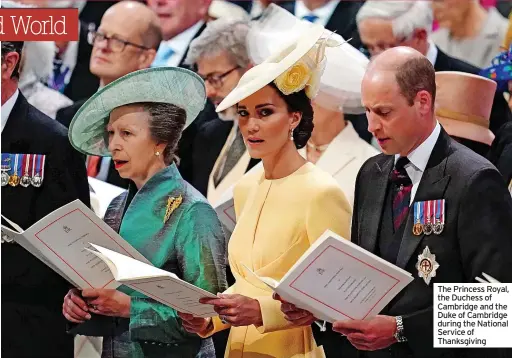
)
(297, 65)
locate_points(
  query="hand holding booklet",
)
(88, 253)
(337, 280)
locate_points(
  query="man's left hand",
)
(377, 333)
(107, 302)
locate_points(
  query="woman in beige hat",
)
(281, 211)
(463, 107)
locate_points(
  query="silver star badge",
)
(427, 265)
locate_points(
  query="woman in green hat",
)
(138, 120)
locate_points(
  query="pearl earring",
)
(157, 154)
(291, 134)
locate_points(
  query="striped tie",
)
(402, 187)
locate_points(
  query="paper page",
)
(63, 238)
(161, 285)
(270, 282)
(105, 193)
(343, 281)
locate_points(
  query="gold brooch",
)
(172, 204)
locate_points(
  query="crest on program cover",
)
(427, 265)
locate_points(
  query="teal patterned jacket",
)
(190, 244)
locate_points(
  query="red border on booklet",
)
(53, 222)
(325, 304)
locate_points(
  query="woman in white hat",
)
(138, 120)
(281, 211)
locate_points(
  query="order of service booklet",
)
(337, 280)
(84, 250)
(161, 285)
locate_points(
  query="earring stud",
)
(157, 154)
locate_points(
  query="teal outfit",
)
(190, 244)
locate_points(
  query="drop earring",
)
(291, 134)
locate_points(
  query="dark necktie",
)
(402, 187)
(60, 72)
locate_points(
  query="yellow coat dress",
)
(277, 221)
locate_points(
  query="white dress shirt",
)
(324, 13)
(418, 159)
(432, 52)
(7, 108)
(179, 44)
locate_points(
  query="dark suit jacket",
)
(500, 111)
(65, 116)
(82, 84)
(501, 152)
(32, 293)
(343, 19)
(476, 236)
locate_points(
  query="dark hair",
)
(165, 125)
(13, 46)
(414, 75)
(299, 102)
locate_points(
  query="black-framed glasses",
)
(113, 43)
(217, 81)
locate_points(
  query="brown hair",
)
(414, 75)
(166, 122)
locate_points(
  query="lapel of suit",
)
(442, 61)
(16, 127)
(182, 61)
(338, 153)
(432, 186)
(373, 202)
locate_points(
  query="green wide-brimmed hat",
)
(173, 85)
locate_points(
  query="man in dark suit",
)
(421, 163)
(32, 292)
(386, 24)
(117, 51)
(182, 21)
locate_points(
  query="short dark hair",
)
(299, 102)
(166, 123)
(414, 75)
(13, 46)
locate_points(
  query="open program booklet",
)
(337, 280)
(161, 285)
(61, 238)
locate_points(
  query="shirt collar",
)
(432, 52)
(180, 42)
(419, 157)
(7, 108)
(324, 13)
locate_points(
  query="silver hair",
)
(405, 16)
(221, 35)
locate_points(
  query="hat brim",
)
(467, 130)
(261, 75)
(178, 86)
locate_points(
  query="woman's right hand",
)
(194, 324)
(74, 307)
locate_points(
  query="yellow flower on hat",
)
(294, 79)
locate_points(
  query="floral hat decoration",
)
(500, 70)
(297, 65)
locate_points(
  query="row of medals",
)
(25, 181)
(428, 228)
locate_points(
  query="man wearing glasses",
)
(219, 156)
(118, 49)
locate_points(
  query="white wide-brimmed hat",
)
(340, 84)
(178, 86)
(296, 65)
(464, 104)
(222, 9)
